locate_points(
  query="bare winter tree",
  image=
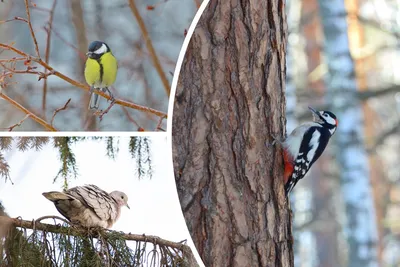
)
(360, 225)
(229, 102)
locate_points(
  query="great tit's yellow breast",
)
(110, 67)
(92, 72)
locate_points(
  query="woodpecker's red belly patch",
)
(289, 166)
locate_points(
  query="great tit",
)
(100, 71)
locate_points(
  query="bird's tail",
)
(54, 195)
(94, 101)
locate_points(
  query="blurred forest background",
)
(343, 56)
(63, 29)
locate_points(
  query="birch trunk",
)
(360, 226)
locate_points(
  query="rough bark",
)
(229, 100)
(360, 226)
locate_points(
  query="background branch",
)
(26, 111)
(149, 46)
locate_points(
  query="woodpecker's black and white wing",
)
(315, 140)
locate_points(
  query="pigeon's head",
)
(121, 198)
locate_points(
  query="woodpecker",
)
(305, 145)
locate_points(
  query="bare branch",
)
(106, 110)
(28, 14)
(58, 110)
(149, 46)
(17, 124)
(83, 86)
(33, 116)
(382, 137)
(47, 55)
(159, 125)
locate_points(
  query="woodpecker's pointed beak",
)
(316, 115)
(127, 206)
(313, 110)
(89, 54)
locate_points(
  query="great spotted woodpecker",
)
(305, 145)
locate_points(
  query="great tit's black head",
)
(97, 49)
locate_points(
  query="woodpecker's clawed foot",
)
(276, 140)
(91, 89)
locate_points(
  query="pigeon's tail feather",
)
(54, 196)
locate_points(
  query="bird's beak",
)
(313, 111)
(316, 114)
(89, 54)
(127, 206)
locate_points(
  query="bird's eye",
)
(122, 197)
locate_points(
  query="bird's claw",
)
(275, 140)
(106, 90)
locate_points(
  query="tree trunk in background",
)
(229, 100)
(77, 18)
(293, 19)
(360, 226)
(379, 186)
(326, 237)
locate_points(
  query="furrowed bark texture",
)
(229, 101)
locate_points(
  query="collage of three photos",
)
(199, 133)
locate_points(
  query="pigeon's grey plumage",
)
(89, 206)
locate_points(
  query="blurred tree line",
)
(342, 56)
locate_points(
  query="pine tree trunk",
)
(229, 101)
(360, 226)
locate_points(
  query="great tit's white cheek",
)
(101, 50)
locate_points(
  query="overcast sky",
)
(154, 203)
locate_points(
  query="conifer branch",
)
(103, 234)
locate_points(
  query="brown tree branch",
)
(33, 116)
(150, 47)
(28, 14)
(379, 140)
(83, 86)
(47, 55)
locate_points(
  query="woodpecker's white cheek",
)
(101, 50)
(330, 120)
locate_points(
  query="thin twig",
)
(47, 55)
(17, 124)
(79, 52)
(28, 14)
(125, 110)
(13, 19)
(150, 47)
(159, 124)
(58, 110)
(52, 217)
(33, 116)
(106, 110)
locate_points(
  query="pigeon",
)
(89, 206)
